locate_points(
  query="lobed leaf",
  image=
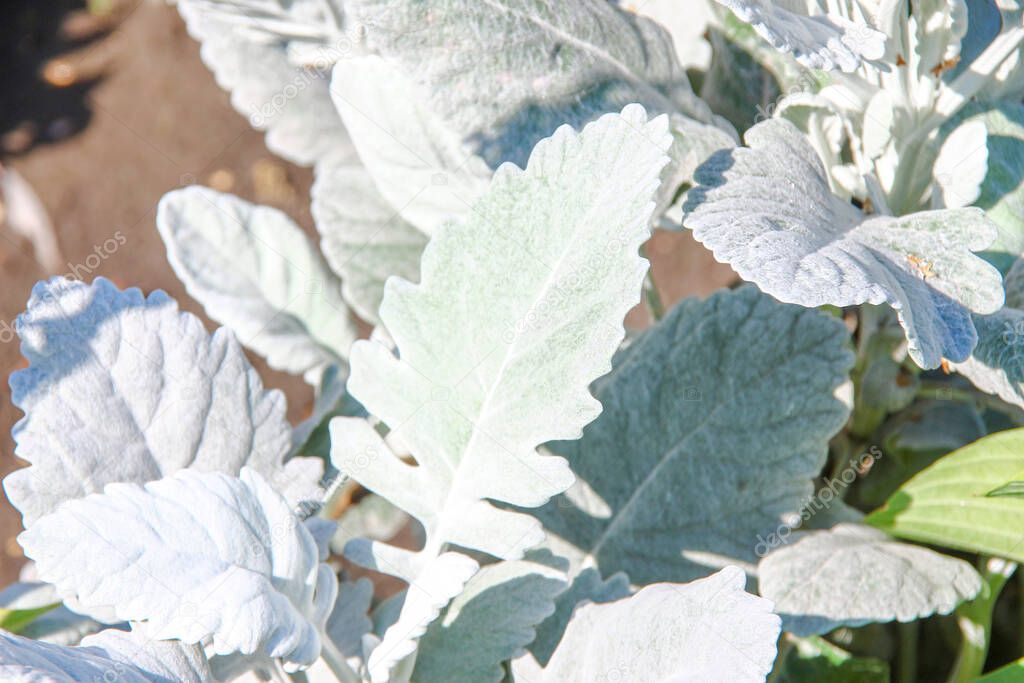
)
(519, 308)
(768, 212)
(126, 388)
(195, 557)
(817, 39)
(853, 575)
(707, 630)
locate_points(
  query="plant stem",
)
(975, 621)
(335, 661)
(908, 651)
(278, 674)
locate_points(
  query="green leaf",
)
(1013, 488)
(725, 409)
(14, 620)
(947, 504)
(814, 659)
(1011, 673)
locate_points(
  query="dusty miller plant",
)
(685, 502)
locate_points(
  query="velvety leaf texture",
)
(126, 388)
(518, 310)
(768, 212)
(818, 40)
(364, 240)
(193, 556)
(506, 73)
(725, 409)
(255, 271)
(708, 630)
(491, 621)
(853, 575)
(452, 90)
(110, 655)
(290, 102)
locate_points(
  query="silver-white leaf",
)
(291, 103)
(109, 655)
(364, 239)
(817, 39)
(255, 271)
(853, 575)
(500, 340)
(194, 556)
(126, 388)
(707, 630)
(768, 212)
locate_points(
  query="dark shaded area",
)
(43, 102)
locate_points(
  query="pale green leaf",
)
(947, 504)
(419, 165)
(725, 409)
(853, 575)
(519, 309)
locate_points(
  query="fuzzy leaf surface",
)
(767, 211)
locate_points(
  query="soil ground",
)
(104, 109)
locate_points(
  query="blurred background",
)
(106, 106)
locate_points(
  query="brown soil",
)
(102, 115)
